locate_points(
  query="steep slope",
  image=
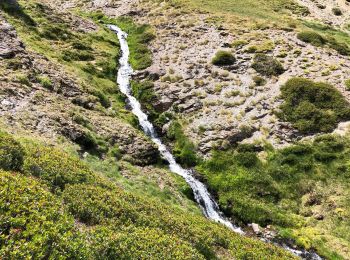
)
(55, 206)
(211, 74)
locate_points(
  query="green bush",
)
(45, 82)
(318, 40)
(267, 65)
(104, 100)
(77, 55)
(184, 150)
(313, 107)
(144, 92)
(312, 37)
(259, 81)
(56, 168)
(347, 84)
(11, 153)
(341, 48)
(55, 32)
(223, 58)
(336, 11)
(32, 223)
(141, 243)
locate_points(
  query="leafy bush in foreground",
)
(55, 167)
(11, 153)
(32, 224)
(313, 107)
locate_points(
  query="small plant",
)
(347, 84)
(267, 65)
(11, 153)
(223, 58)
(45, 82)
(104, 100)
(336, 11)
(23, 79)
(259, 81)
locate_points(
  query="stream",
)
(202, 196)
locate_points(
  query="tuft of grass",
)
(347, 84)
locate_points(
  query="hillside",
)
(251, 98)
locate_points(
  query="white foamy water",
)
(202, 196)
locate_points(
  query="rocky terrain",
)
(29, 108)
(57, 77)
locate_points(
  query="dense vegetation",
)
(184, 150)
(313, 107)
(91, 217)
(144, 92)
(302, 190)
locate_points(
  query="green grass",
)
(94, 217)
(289, 189)
(334, 38)
(251, 11)
(184, 150)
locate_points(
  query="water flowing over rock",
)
(208, 205)
(202, 196)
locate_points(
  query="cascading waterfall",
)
(208, 205)
(202, 196)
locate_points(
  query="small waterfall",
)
(202, 196)
(208, 205)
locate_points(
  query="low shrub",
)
(144, 92)
(347, 84)
(11, 153)
(319, 41)
(54, 32)
(336, 11)
(312, 37)
(92, 143)
(259, 81)
(223, 58)
(313, 107)
(267, 65)
(45, 82)
(341, 48)
(33, 224)
(78, 55)
(54, 167)
(104, 100)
